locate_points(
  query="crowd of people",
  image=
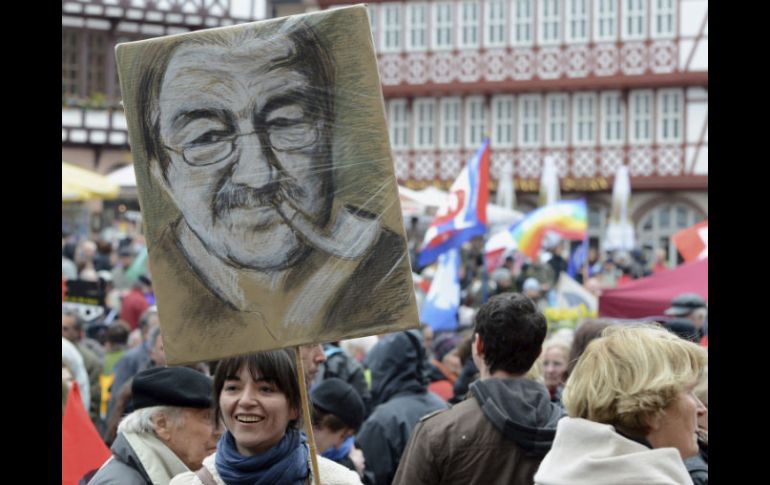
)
(505, 398)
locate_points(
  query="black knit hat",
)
(171, 386)
(337, 397)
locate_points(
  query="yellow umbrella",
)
(81, 184)
(70, 193)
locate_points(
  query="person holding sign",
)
(258, 400)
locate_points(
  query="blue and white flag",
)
(463, 215)
(578, 259)
(443, 300)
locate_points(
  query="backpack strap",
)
(205, 476)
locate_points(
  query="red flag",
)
(82, 449)
(693, 242)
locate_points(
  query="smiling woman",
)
(257, 397)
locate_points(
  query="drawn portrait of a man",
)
(238, 128)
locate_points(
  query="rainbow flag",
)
(567, 218)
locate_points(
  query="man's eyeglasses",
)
(282, 135)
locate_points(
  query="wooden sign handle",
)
(306, 414)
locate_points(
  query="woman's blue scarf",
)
(284, 463)
(336, 454)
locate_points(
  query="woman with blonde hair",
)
(632, 414)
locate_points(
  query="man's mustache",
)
(232, 196)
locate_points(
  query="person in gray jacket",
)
(400, 398)
(502, 431)
(170, 431)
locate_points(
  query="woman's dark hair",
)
(275, 366)
(586, 331)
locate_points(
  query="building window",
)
(391, 29)
(529, 120)
(660, 223)
(495, 23)
(417, 18)
(502, 121)
(634, 19)
(605, 18)
(442, 26)
(556, 120)
(584, 119)
(424, 123)
(96, 79)
(663, 13)
(398, 120)
(640, 116)
(81, 79)
(70, 55)
(450, 122)
(469, 24)
(577, 20)
(550, 22)
(670, 115)
(475, 121)
(522, 22)
(612, 118)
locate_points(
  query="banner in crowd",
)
(268, 223)
(567, 218)
(693, 242)
(571, 294)
(464, 214)
(443, 299)
(86, 298)
(82, 449)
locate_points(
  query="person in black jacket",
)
(400, 398)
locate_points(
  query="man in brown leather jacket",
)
(504, 429)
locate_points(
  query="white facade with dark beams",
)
(593, 83)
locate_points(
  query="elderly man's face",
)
(240, 128)
(192, 438)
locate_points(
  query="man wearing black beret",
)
(169, 432)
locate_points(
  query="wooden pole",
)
(306, 414)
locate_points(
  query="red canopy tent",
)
(651, 296)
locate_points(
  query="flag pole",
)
(484, 272)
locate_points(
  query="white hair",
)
(143, 420)
(364, 344)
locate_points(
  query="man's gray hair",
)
(71, 312)
(143, 420)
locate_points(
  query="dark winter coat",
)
(499, 435)
(400, 397)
